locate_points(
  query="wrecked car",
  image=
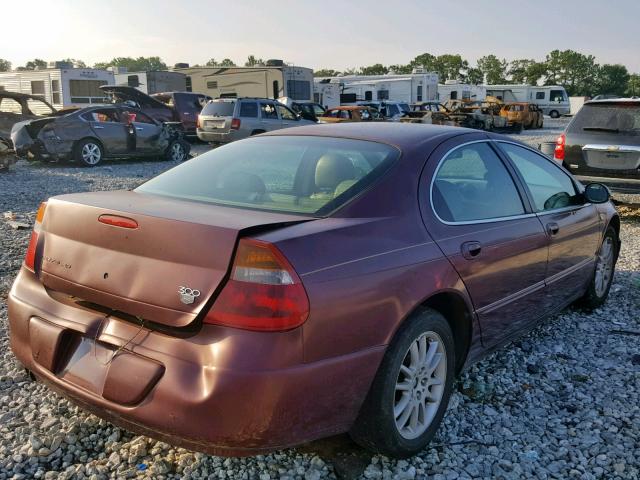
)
(180, 107)
(91, 134)
(7, 156)
(481, 115)
(527, 114)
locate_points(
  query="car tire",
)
(396, 419)
(600, 284)
(554, 114)
(177, 151)
(88, 152)
(256, 132)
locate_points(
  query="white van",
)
(551, 99)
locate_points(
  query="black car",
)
(602, 144)
(90, 134)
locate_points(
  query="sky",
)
(319, 33)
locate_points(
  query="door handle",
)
(139, 128)
(552, 228)
(471, 250)
(98, 127)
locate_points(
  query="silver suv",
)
(227, 119)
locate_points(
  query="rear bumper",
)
(221, 137)
(615, 184)
(222, 391)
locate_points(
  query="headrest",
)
(332, 169)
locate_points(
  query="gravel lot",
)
(563, 402)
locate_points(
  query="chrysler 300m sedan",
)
(306, 282)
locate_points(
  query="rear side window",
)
(268, 111)
(549, 186)
(607, 118)
(472, 184)
(296, 174)
(219, 109)
(249, 109)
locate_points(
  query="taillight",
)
(558, 153)
(30, 257)
(263, 293)
(235, 123)
(199, 122)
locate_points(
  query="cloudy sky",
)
(319, 33)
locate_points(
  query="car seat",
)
(332, 169)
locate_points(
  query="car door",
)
(269, 119)
(288, 118)
(147, 133)
(480, 217)
(106, 124)
(573, 227)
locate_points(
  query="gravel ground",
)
(563, 402)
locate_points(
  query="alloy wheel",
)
(604, 267)
(420, 385)
(91, 153)
(177, 152)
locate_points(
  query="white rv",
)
(454, 90)
(551, 99)
(151, 82)
(327, 93)
(273, 80)
(61, 87)
(413, 87)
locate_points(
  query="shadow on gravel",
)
(348, 459)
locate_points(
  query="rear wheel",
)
(177, 151)
(411, 390)
(554, 114)
(256, 132)
(88, 152)
(600, 284)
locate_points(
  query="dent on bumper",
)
(222, 391)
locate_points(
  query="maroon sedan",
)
(307, 282)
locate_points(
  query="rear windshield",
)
(607, 118)
(302, 175)
(219, 109)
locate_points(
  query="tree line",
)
(578, 73)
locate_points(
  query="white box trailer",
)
(327, 94)
(551, 99)
(408, 88)
(61, 87)
(452, 90)
(153, 82)
(272, 81)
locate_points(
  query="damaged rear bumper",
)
(222, 391)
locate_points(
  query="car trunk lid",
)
(148, 256)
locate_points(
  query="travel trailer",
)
(454, 90)
(273, 80)
(418, 86)
(61, 86)
(151, 82)
(551, 99)
(327, 93)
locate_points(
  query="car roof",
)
(403, 135)
(615, 100)
(351, 107)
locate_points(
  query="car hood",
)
(122, 93)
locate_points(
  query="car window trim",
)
(579, 189)
(527, 214)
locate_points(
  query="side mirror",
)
(596, 193)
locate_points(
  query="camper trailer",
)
(61, 86)
(273, 80)
(454, 90)
(151, 82)
(418, 86)
(551, 99)
(327, 93)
